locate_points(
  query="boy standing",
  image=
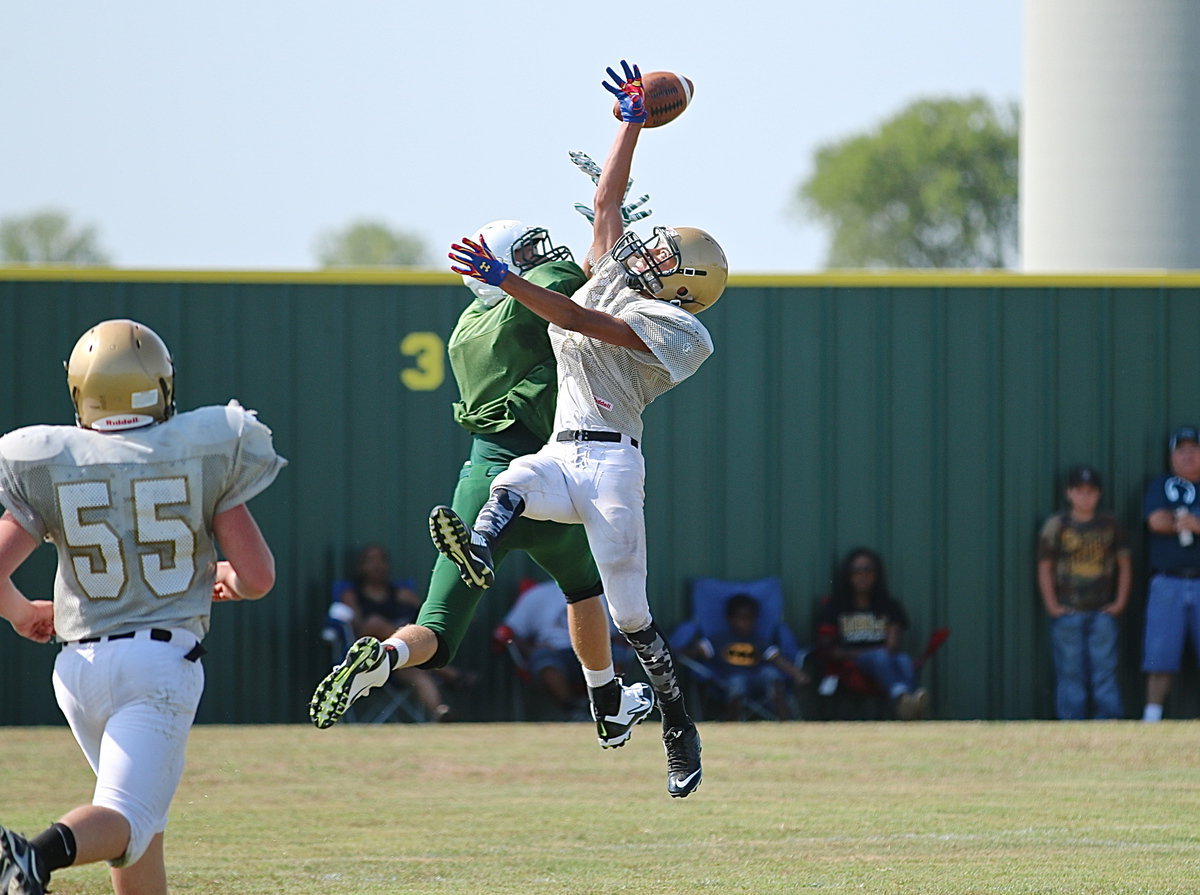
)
(1084, 578)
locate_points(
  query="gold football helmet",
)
(120, 376)
(682, 265)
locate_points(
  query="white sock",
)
(1152, 712)
(399, 652)
(597, 679)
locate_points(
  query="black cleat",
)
(683, 760)
(453, 540)
(18, 866)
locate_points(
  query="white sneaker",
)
(637, 701)
(365, 667)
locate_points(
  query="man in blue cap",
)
(1173, 601)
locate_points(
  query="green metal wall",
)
(926, 416)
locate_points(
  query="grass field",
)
(955, 807)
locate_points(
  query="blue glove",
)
(478, 261)
(631, 97)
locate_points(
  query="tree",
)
(47, 237)
(934, 186)
(367, 243)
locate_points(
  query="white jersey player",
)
(621, 341)
(135, 499)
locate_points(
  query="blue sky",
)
(228, 135)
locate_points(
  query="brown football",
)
(667, 95)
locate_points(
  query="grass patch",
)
(955, 807)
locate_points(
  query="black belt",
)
(155, 634)
(160, 634)
(593, 435)
(1188, 574)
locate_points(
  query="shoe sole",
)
(332, 696)
(452, 540)
(621, 739)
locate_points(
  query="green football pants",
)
(562, 550)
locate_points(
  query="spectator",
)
(745, 664)
(379, 605)
(1084, 575)
(863, 625)
(538, 626)
(1173, 601)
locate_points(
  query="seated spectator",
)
(378, 605)
(537, 626)
(745, 664)
(861, 626)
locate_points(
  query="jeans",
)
(892, 671)
(1172, 616)
(1085, 660)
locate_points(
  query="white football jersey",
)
(131, 512)
(604, 386)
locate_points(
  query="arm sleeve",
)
(13, 497)
(1155, 497)
(678, 341)
(255, 462)
(518, 618)
(1121, 539)
(1047, 547)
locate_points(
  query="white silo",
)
(1110, 135)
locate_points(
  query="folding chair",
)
(382, 704)
(709, 596)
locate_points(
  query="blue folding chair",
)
(709, 596)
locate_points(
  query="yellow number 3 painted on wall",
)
(429, 354)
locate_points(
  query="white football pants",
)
(130, 704)
(601, 485)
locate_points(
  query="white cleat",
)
(637, 701)
(365, 667)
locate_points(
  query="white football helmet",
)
(519, 246)
(682, 265)
(121, 376)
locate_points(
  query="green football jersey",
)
(502, 360)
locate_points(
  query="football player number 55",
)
(96, 552)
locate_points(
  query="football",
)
(667, 95)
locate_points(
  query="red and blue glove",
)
(631, 97)
(478, 261)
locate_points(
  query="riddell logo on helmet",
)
(128, 421)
